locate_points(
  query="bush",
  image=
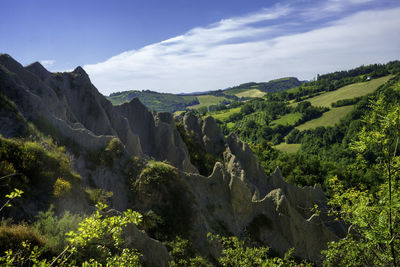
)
(156, 173)
(236, 253)
(41, 168)
(150, 221)
(172, 208)
(114, 149)
(346, 102)
(54, 228)
(61, 187)
(100, 237)
(133, 168)
(294, 137)
(183, 254)
(98, 195)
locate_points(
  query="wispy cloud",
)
(269, 44)
(47, 62)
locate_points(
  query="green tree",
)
(380, 136)
(373, 215)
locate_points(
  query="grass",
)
(293, 90)
(349, 91)
(329, 118)
(235, 91)
(12, 235)
(224, 115)
(288, 148)
(251, 93)
(288, 119)
(207, 100)
(230, 125)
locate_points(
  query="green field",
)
(207, 100)
(329, 118)
(288, 119)
(224, 115)
(251, 93)
(347, 92)
(288, 148)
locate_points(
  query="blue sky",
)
(186, 45)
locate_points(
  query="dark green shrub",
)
(171, 200)
(37, 165)
(97, 195)
(156, 173)
(55, 227)
(114, 150)
(183, 254)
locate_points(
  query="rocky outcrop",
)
(153, 252)
(71, 104)
(205, 133)
(264, 208)
(12, 123)
(237, 198)
(157, 133)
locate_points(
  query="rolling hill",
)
(276, 85)
(319, 103)
(179, 102)
(154, 100)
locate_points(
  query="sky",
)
(191, 46)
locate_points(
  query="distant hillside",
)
(172, 102)
(271, 86)
(154, 100)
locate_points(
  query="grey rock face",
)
(205, 133)
(71, 103)
(238, 198)
(154, 253)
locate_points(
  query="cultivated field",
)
(288, 148)
(207, 100)
(224, 115)
(251, 93)
(349, 91)
(288, 119)
(329, 118)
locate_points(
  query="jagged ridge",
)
(235, 196)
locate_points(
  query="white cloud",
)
(47, 62)
(256, 47)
